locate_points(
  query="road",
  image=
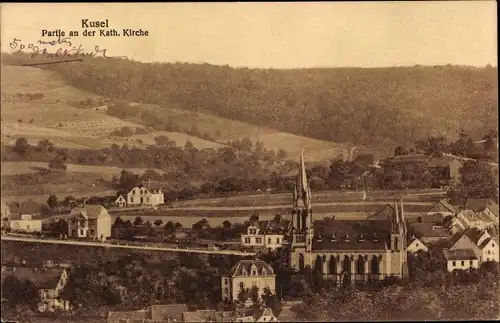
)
(124, 246)
(472, 159)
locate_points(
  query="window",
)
(131, 200)
(462, 263)
(453, 264)
(278, 240)
(92, 232)
(258, 240)
(471, 263)
(81, 232)
(242, 286)
(226, 290)
(268, 240)
(254, 272)
(489, 252)
(226, 280)
(416, 244)
(247, 240)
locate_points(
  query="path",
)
(125, 246)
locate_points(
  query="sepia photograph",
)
(249, 162)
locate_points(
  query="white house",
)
(480, 241)
(245, 275)
(416, 245)
(460, 259)
(25, 223)
(90, 221)
(266, 234)
(142, 196)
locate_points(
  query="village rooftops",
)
(479, 205)
(200, 316)
(460, 254)
(128, 316)
(351, 235)
(168, 312)
(272, 227)
(429, 230)
(43, 278)
(244, 268)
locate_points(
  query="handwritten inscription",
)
(63, 47)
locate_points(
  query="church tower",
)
(302, 222)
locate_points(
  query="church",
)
(347, 251)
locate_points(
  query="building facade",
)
(91, 222)
(347, 251)
(26, 223)
(141, 196)
(245, 275)
(270, 235)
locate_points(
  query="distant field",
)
(107, 172)
(318, 197)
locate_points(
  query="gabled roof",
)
(272, 227)
(92, 212)
(385, 213)
(200, 316)
(474, 235)
(128, 316)
(246, 265)
(485, 243)
(224, 316)
(351, 235)
(478, 205)
(460, 254)
(43, 278)
(285, 314)
(443, 206)
(162, 312)
(429, 230)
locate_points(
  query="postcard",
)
(249, 162)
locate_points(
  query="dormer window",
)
(347, 238)
(375, 238)
(361, 239)
(254, 272)
(334, 238)
(264, 272)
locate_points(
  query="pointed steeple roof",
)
(302, 191)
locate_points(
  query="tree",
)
(436, 146)
(52, 201)
(282, 154)
(18, 292)
(226, 224)
(45, 146)
(400, 151)
(254, 217)
(138, 221)
(169, 226)
(269, 298)
(476, 181)
(118, 221)
(57, 163)
(21, 146)
(158, 223)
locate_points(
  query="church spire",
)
(302, 193)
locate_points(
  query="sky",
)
(275, 35)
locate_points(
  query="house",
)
(486, 207)
(168, 312)
(480, 241)
(142, 196)
(343, 250)
(25, 223)
(89, 221)
(154, 314)
(266, 234)
(415, 245)
(49, 281)
(260, 315)
(245, 275)
(460, 259)
(429, 233)
(139, 316)
(444, 208)
(121, 201)
(200, 316)
(468, 219)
